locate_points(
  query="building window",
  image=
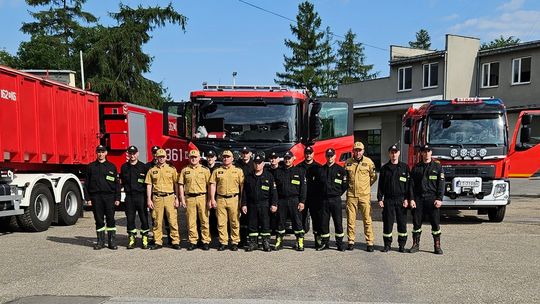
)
(431, 75)
(490, 75)
(404, 79)
(521, 70)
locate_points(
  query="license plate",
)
(468, 184)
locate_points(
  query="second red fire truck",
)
(470, 137)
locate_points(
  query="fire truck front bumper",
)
(490, 194)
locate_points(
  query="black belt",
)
(228, 196)
(195, 194)
(162, 194)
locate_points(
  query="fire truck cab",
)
(265, 119)
(469, 136)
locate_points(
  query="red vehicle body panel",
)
(124, 124)
(524, 163)
(45, 125)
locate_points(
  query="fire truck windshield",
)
(249, 122)
(466, 129)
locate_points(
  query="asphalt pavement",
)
(483, 262)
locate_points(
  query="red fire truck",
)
(48, 133)
(469, 136)
(264, 118)
(124, 124)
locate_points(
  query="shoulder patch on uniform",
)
(155, 172)
(364, 164)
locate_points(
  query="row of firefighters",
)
(250, 198)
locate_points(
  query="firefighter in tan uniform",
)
(193, 184)
(160, 191)
(361, 173)
(226, 184)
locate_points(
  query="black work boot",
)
(387, 243)
(100, 240)
(437, 244)
(402, 240)
(300, 243)
(339, 244)
(279, 242)
(111, 235)
(266, 244)
(131, 240)
(145, 240)
(416, 242)
(324, 244)
(251, 243)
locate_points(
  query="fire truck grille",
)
(485, 172)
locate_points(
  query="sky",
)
(226, 36)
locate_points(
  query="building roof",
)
(511, 48)
(391, 104)
(412, 59)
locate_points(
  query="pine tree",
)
(423, 41)
(329, 81)
(500, 42)
(303, 67)
(350, 65)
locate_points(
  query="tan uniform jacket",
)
(162, 178)
(195, 179)
(361, 176)
(228, 181)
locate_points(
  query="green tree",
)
(52, 34)
(351, 59)
(329, 81)
(500, 42)
(8, 60)
(303, 67)
(115, 62)
(423, 41)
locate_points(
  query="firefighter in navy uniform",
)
(313, 200)
(333, 179)
(426, 194)
(102, 192)
(132, 176)
(291, 187)
(272, 168)
(246, 164)
(259, 199)
(392, 195)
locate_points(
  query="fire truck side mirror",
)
(315, 108)
(407, 137)
(526, 119)
(525, 135)
(315, 127)
(408, 122)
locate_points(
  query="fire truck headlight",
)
(463, 152)
(500, 189)
(483, 152)
(472, 153)
(453, 152)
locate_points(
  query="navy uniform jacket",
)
(102, 178)
(393, 181)
(333, 180)
(260, 190)
(133, 176)
(291, 182)
(427, 181)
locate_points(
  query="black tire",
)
(39, 214)
(70, 207)
(8, 223)
(496, 215)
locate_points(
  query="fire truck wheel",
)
(70, 207)
(8, 223)
(39, 215)
(496, 214)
